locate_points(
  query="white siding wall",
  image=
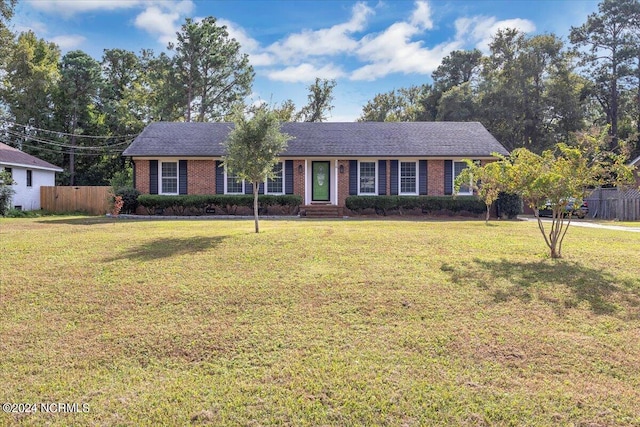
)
(29, 197)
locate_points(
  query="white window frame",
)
(414, 193)
(160, 177)
(226, 182)
(453, 181)
(266, 182)
(375, 178)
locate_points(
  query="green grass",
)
(318, 323)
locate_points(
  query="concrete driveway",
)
(589, 224)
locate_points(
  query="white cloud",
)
(68, 41)
(394, 51)
(162, 19)
(306, 73)
(326, 41)
(421, 16)
(479, 30)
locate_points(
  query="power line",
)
(71, 134)
(59, 144)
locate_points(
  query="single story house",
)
(29, 173)
(324, 163)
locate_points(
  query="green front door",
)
(320, 178)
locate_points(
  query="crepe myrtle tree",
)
(557, 178)
(252, 148)
(560, 179)
(486, 181)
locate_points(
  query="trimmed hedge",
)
(428, 204)
(509, 205)
(129, 198)
(199, 204)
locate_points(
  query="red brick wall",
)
(298, 178)
(343, 182)
(142, 176)
(201, 176)
(435, 174)
(388, 189)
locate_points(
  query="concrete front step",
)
(322, 211)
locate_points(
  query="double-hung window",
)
(367, 178)
(465, 189)
(409, 178)
(29, 178)
(276, 185)
(234, 186)
(169, 178)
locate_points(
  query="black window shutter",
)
(422, 174)
(353, 177)
(153, 177)
(393, 176)
(248, 188)
(288, 176)
(382, 177)
(448, 177)
(182, 177)
(219, 177)
(261, 188)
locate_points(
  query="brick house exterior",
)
(363, 158)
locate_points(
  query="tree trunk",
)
(256, 186)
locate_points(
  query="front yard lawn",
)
(317, 323)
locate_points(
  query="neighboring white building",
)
(29, 173)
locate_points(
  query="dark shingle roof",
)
(13, 156)
(329, 139)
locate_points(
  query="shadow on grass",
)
(601, 290)
(168, 247)
(85, 220)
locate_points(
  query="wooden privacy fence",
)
(612, 203)
(92, 200)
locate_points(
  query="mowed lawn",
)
(347, 322)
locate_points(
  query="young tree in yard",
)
(561, 178)
(486, 181)
(252, 149)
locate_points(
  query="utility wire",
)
(59, 144)
(72, 134)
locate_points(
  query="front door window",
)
(321, 181)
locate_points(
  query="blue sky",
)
(369, 47)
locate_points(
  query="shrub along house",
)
(324, 163)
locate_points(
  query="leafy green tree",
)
(28, 89)
(252, 149)
(458, 104)
(610, 38)
(460, 66)
(6, 36)
(210, 73)
(486, 181)
(76, 103)
(561, 177)
(319, 98)
(521, 81)
(412, 104)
